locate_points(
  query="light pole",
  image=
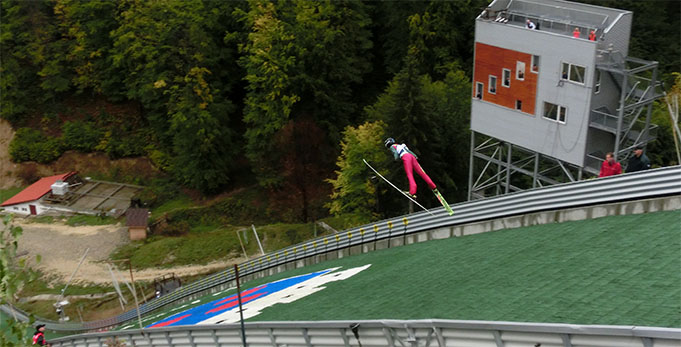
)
(241, 311)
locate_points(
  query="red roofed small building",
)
(30, 200)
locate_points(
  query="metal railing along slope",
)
(386, 333)
(635, 186)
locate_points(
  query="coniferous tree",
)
(302, 60)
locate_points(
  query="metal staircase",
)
(630, 123)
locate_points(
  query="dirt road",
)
(61, 247)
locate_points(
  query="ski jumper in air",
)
(411, 164)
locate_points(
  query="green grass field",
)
(9, 192)
(221, 241)
(619, 270)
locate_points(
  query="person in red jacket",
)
(39, 336)
(610, 167)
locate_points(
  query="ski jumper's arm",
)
(395, 155)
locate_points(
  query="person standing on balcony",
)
(639, 161)
(610, 167)
(576, 33)
(592, 35)
(530, 25)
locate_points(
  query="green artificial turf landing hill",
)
(619, 270)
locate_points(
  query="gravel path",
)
(61, 247)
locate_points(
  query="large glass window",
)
(492, 84)
(555, 112)
(574, 73)
(479, 87)
(506, 78)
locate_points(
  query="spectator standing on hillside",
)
(39, 336)
(639, 161)
(610, 167)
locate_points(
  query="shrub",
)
(175, 228)
(123, 145)
(29, 173)
(158, 191)
(32, 145)
(80, 136)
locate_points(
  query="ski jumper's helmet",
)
(389, 142)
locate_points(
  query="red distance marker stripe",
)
(231, 304)
(234, 297)
(170, 321)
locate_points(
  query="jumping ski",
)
(443, 201)
(398, 189)
(440, 198)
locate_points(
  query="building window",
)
(506, 77)
(492, 84)
(479, 87)
(535, 63)
(574, 73)
(554, 112)
(16, 208)
(597, 86)
(23, 208)
(520, 70)
(519, 105)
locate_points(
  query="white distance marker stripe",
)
(284, 296)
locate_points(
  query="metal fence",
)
(393, 333)
(642, 185)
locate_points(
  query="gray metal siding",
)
(609, 94)
(563, 141)
(599, 140)
(618, 34)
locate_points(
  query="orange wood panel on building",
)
(490, 61)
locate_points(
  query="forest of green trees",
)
(292, 94)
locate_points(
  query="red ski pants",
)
(411, 165)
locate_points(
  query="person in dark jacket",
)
(639, 161)
(39, 336)
(610, 167)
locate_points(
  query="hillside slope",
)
(8, 177)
